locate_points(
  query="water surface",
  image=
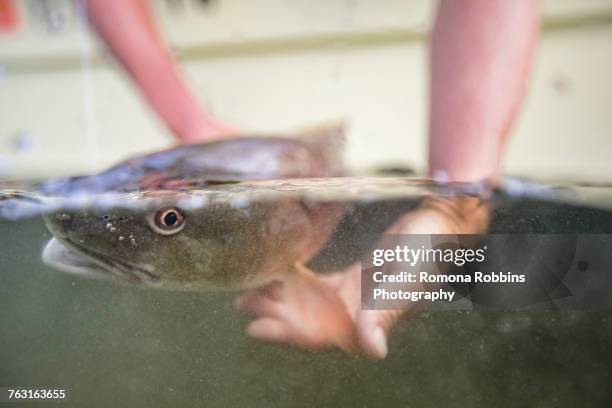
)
(112, 344)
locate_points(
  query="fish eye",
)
(167, 221)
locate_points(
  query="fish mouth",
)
(76, 259)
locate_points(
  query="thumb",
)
(373, 328)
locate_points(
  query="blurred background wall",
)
(277, 65)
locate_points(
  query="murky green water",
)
(113, 345)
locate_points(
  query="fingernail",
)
(380, 342)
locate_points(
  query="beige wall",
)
(280, 65)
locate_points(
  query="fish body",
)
(312, 153)
(223, 244)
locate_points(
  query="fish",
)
(224, 244)
(313, 152)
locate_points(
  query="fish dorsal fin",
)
(327, 140)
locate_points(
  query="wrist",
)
(204, 129)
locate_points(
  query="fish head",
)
(166, 246)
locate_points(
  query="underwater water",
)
(111, 344)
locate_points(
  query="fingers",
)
(309, 314)
(257, 304)
(373, 328)
(272, 330)
(268, 329)
(303, 311)
(272, 291)
(263, 303)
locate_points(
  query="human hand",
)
(315, 312)
(205, 129)
(303, 311)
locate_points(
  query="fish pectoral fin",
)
(327, 141)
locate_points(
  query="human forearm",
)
(128, 29)
(480, 58)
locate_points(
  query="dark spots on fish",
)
(583, 266)
(120, 219)
(221, 182)
(395, 170)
